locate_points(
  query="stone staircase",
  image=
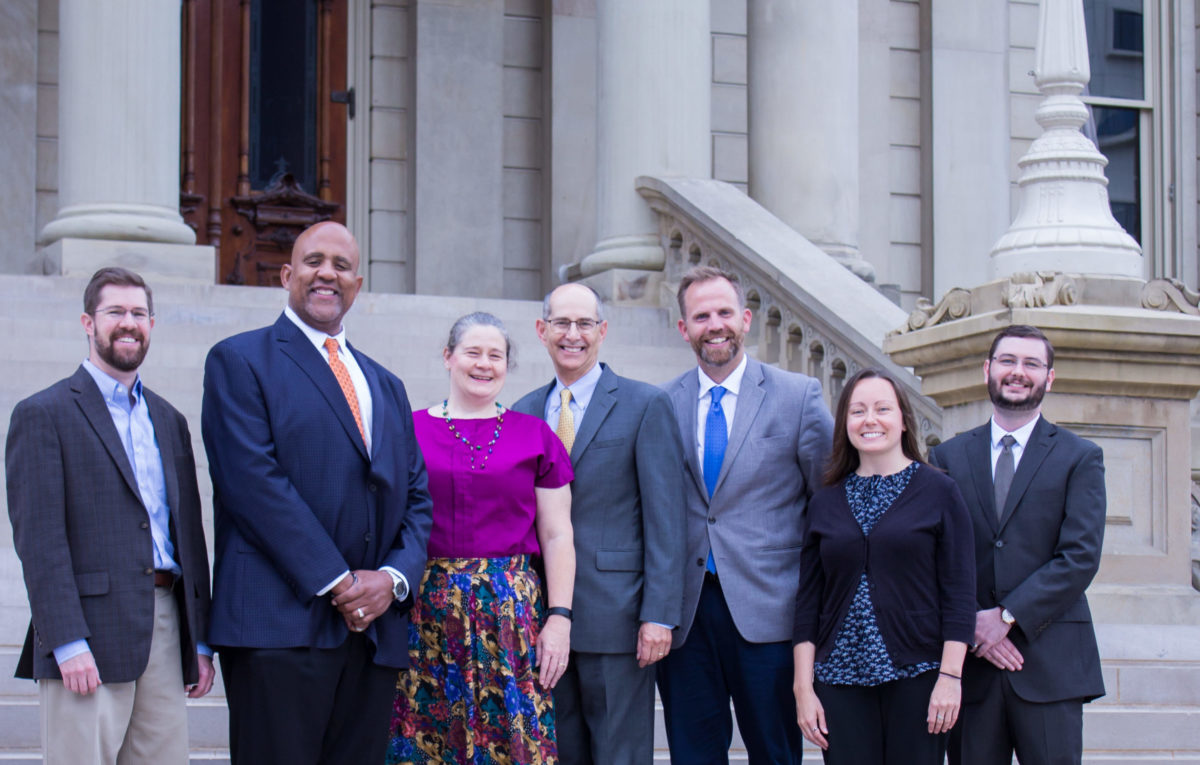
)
(1151, 713)
(41, 341)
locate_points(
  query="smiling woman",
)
(883, 624)
(482, 636)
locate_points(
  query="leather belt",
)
(164, 579)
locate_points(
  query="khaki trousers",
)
(138, 723)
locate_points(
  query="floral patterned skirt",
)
(470, 694)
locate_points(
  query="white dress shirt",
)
(1021, 434)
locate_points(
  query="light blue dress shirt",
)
(581, 395)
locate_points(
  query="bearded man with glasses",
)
(1036, 496)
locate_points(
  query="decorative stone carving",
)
(1195, 535)
(1038, 290)
(1170, 295)
(954, 305)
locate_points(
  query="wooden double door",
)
(264, 117)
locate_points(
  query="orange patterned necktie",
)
(343, 377)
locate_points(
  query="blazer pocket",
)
(619, 560)
(607, 443)
(92, 583)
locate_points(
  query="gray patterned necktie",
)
(1005, 466)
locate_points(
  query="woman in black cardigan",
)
(886, 605)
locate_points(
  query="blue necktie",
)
(715, 440)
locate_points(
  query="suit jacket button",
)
(999, 543)
(145, 524)
(700, 561)
(371, 487)
(366, 537)
(149, 572)
(712, 520)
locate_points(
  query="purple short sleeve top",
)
(488, 511)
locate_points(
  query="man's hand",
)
(990, 629)
(1004, 655)
(79, 674)
(365, 600)
(207, 674)
(654, 642)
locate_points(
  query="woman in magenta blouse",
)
(485, 647)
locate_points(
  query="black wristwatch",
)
(560, 611)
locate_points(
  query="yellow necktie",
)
(566, 422)
(343, 377)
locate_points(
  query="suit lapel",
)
(1041, 442)
(95, 409)
(296, 346)
(749, 400)
(603, 400)
(686, 398)
(979, 457)
(378, 442)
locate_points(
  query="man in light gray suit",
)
(627, 510)
(756, 442)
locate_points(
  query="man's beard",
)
(1031, 401)
(731, 348)
(128, 360)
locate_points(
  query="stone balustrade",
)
(811, 314)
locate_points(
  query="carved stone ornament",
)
(955, 304)
(1037, 290)
(1170, 295)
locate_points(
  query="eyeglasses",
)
(117, 315)
(1012, 362)
(564, 325)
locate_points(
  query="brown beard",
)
(1032, 401)
(126, 363)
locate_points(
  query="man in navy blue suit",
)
(321, 517)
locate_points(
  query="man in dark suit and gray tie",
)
(1036, 496)
(756, 443)
(628, 515)
(322, 514)
(106, 520)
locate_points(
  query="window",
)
(1121, 110)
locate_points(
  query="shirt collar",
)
(315, 336)
(731, 384)
(111, 388)
(1021, 434)
(582, 389)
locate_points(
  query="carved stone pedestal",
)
(1127, 364)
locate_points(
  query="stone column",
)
(968, 144)
(1064, 222)
(118, 144)
(653, 118)
(802, 70)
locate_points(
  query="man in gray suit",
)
(106, 520)
(628, 514)
(757, 440)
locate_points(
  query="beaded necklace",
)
(474, 449)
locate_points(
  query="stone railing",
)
(811, 314)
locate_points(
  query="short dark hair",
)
(707, 274)
(115, 276)
(1023, 330)
(844, 459)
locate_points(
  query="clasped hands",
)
(992, 642)
(362, 596)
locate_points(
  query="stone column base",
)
(155, 261)
(627, 286)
